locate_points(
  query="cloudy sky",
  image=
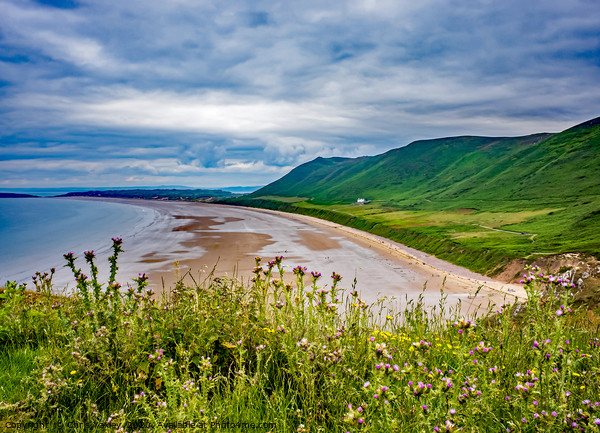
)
(221, 93)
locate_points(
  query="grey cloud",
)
(197, 88)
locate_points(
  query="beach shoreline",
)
(196, 240)
(419, 257)
(37, 232)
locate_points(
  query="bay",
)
(36, 232)
(169, 240)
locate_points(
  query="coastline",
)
(420, 258)
(195, 239)
(38, 231)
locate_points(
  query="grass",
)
(307, 356)
(480, 237)
(434, 195)
(16, 364)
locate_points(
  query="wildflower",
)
(299, 270)
(205, 363)
(380, 348)
(520, 387)
(423, 345)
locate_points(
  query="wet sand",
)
(192, 239)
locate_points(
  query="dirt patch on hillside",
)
(582, 270)
(569, 265)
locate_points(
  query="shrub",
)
(299, 353)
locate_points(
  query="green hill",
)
(476, 201)
(446, 169)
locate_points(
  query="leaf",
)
(144, 367)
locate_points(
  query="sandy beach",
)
(192, 239)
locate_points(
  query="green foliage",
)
(453, 170)
(479, 202)
(16, 364)
(155, 194)
(301, 353)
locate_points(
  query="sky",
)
(234, 92)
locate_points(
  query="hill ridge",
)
(418, 168)
(449, 196)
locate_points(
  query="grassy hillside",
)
(476, 201)
(308, 356)
(457, 168)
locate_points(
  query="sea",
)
(36, 232)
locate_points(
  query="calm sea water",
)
(36, 232)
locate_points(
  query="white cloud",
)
(81, 52)
(241, 166)
(211, 112)
(54, 34)
(188, 88)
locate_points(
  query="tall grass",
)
(219, 355)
